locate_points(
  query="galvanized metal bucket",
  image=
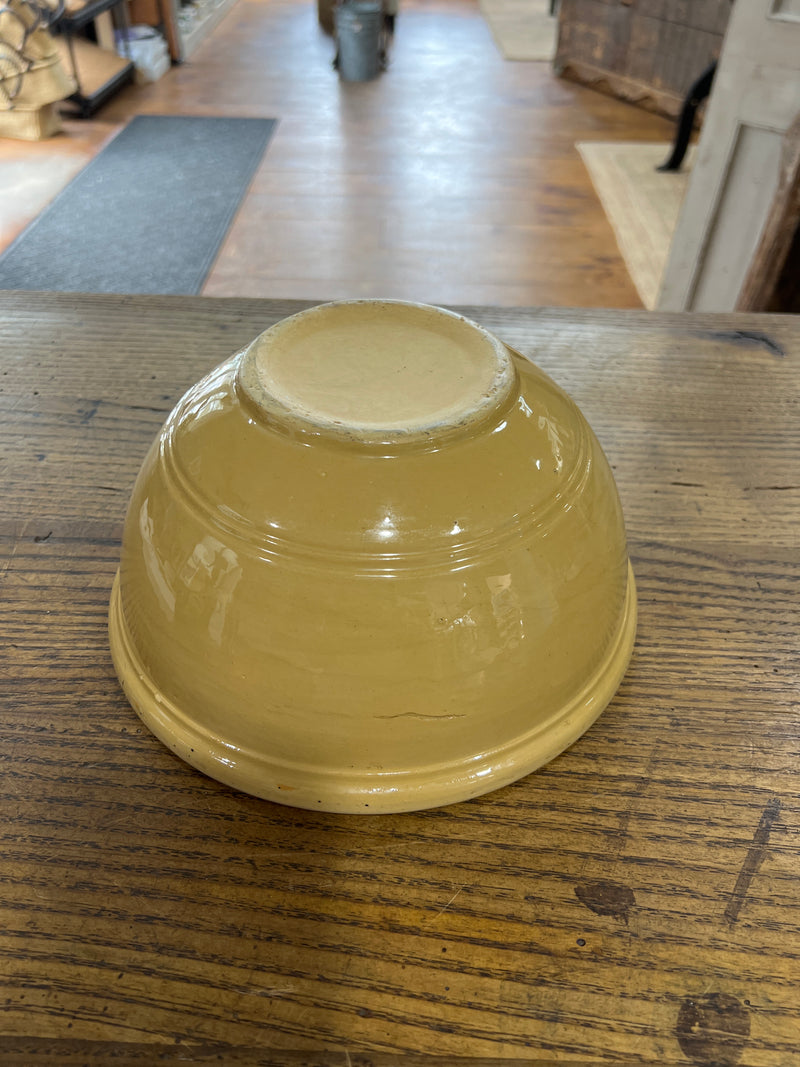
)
(358, 28)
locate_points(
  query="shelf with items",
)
(99, 72)
(197, 20)
(78, 15)
(186, 25)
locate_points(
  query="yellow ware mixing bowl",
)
(374, 562)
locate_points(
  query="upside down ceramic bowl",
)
(374, 562)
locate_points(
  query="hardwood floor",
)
(452, 178)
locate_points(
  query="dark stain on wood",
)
(713, 1029)
(606, 898)
(90, 413)
(753, 859)
(745, 339)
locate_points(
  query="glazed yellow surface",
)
(380, 619)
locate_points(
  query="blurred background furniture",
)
(98, 70)
(697, 94)
(32, 77)
(646, 53)
(740, 203)
(185, 25)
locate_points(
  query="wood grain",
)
(634, 901)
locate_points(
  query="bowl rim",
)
(346, 791)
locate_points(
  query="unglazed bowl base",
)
(341, 790)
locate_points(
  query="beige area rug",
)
(642, 205)
(522, 29)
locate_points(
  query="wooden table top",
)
(634, 901)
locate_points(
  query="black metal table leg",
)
(696, 95)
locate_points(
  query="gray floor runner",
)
(146, 215)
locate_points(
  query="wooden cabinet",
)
(646, 51)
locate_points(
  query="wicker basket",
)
(32, 78)
(33, 125)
